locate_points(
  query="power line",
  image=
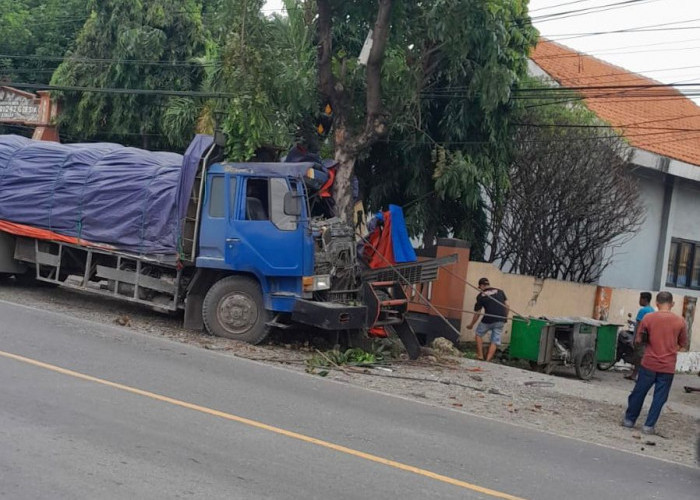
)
(559, 5)
(173, 93)
(56, 21)
(569, 36)
(588, 10)
(587, 126)
(462, 89)
(613, 53)
(616, 49)
(526, 93)
(91, 60)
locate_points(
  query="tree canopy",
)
(449, 79)
(129, 44)
(35, 34)
(268, 63)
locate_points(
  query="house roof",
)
(657, 119)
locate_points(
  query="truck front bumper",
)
(329, 315)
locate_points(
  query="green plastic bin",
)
(606, 347)
(525, 338)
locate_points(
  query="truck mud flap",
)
(329, 315)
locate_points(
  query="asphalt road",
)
(94, 411)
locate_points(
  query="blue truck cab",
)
(262, 261)
(245, 228)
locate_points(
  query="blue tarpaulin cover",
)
(132, 199)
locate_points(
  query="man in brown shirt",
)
(664, 334)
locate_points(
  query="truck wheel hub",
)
(237, 313)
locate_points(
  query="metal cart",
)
(550, 342)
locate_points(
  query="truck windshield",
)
(278, 188)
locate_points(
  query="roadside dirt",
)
(559, 404)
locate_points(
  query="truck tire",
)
(233, 308)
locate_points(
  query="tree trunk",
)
(348, 143)
(342, 187)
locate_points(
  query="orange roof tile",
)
(661, 120)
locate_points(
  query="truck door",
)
(260, 237)
(211, 247)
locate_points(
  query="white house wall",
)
(634, 264)
(684, 223)
(686, 208)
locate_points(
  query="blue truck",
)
(236, 246)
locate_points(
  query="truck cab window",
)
(217, 197)
(232, 197)
(278, 188)
(256, 201)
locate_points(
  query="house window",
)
(684, 264)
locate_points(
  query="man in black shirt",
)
(495, 305)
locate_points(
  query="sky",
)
(668, 53)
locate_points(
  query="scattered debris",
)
(123, 320)
(538, 383)
(350, 357)
(444, 347)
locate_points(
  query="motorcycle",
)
(625, 345)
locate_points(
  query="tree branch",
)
(375, 125)
(325, 51)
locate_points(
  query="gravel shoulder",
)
(559, 403)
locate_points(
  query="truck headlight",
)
(316, 283)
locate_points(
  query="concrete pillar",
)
(48, 111)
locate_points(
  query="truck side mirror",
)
(292, 204)
(220, 139)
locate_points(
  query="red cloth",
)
(380, 239)
(667, 333)
(325, 190)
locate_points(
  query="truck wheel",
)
(585, 365)
(233, 308)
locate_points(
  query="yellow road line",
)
(270, 428)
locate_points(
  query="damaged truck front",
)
(234, 245)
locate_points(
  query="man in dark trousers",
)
(644, 309)
(664, 334)
(495, 305)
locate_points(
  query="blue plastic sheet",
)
(129, 198)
